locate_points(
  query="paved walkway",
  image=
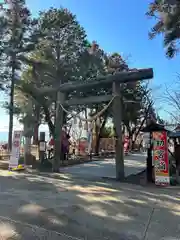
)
(35, 207)
(134, 164)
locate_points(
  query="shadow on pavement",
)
(134, 164)
(39, 207)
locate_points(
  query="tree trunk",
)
(142, 123)
(99, 135)
(97, 140)
(43, 103)
(36, 134)
(79, 137)
(36, 126)
(49, 121)
(130, 134)
(58, 132)
(64, 118)
(130, 147)
(27, 146)
(131, 140)
(11, 108)
(133, 145)
(27, 149)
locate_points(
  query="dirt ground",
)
(64, 207)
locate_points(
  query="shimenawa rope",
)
(91, 119)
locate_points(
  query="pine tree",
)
(17, 33)
(63, 44)
(167, 15)
(63, 56)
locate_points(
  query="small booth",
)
(175, 154)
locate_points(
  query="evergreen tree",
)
(63, 56)
(17, 36)
(167, 15)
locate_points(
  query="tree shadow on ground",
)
(105, 168)
(38, 207)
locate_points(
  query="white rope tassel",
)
(89, 120)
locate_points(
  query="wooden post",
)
(117, 118)
(58, 131)
(42, 147)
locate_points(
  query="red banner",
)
(160, 158)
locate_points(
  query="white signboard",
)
(15, 153)
(42, 146)
(146, 138)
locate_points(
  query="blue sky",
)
(119, 26)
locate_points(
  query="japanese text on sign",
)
(160, 157)
(15, 153)
(159, 143)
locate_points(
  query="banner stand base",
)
(18, 168)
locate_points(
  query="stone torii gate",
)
(109, 81)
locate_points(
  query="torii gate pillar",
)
(117, 118)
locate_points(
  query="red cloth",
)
(51, 142)
(64, 140)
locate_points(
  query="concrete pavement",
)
(134, 163)
(35, 207)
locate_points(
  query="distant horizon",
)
(18, 126)
(43, 128)
(4, 136)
